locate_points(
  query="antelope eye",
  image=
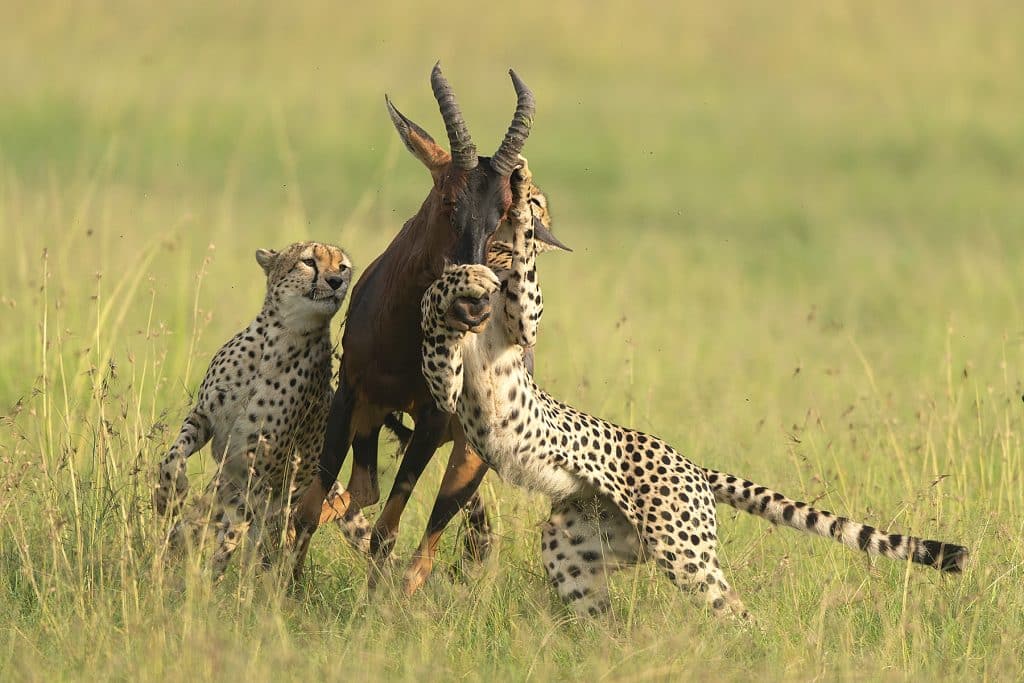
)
(309, 262)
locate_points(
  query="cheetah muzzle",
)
(469, 314)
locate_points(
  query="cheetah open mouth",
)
(323, 296)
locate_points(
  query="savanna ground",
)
(798, 232)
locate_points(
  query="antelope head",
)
(471, 193)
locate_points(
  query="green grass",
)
(798, 231)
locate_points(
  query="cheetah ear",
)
(266, 259)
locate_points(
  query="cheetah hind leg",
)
(701, 573)
(239, 525)
(583, 542)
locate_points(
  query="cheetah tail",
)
(761, 501)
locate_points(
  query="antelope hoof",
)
(470, 313)
(417, 574)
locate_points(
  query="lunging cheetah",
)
(264, 403)
(619, 495)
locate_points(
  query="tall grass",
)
(797, 234)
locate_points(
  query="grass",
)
(797, 233)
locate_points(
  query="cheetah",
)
(619, 496)
(264, 403)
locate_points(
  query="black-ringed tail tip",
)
(945, 556)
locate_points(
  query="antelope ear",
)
(266, 259)
(418, 141)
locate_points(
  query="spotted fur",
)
(263, 403)
(619, 496)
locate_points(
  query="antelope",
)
(380, 368)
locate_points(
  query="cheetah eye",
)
(309, 262)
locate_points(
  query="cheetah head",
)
(545, 238)
(307, 280)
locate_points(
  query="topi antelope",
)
(380, 367)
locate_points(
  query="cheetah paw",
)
(172, 485)
(471, 281)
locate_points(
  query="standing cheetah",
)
(264, 403)
(619, 495)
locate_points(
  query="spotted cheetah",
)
(618, 495)
(264, 404)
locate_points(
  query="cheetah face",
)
(309, 280)
(545, 239)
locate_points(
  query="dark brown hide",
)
(380, 371)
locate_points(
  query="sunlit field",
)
(798, 234)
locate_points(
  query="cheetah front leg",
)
(442, 351)
(172, 480)
(232, 530)
(340, 509)
(523, 302)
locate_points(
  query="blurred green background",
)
(797, 229)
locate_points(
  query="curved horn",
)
(505, 159)
(462, 147)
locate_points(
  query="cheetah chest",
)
(503, 422)
(277, 403)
